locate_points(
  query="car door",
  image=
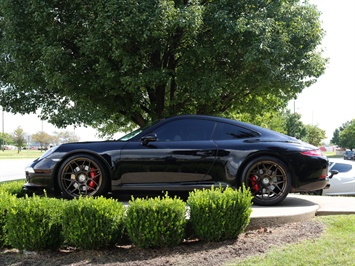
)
(182, 153)
(231, 141)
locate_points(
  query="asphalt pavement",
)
(13, 169)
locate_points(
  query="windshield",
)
(134, 133)
(131, 135)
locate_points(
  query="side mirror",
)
(332, 173)
(148, 138)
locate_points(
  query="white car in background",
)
(342, 183)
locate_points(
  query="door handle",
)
(204, 153)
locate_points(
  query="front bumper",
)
(38, 180)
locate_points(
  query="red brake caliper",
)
(92, 174)
(254, 183)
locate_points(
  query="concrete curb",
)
(297, 208)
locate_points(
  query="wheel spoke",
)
(267, 181)
(80, 176)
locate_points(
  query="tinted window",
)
(185, 130)
(342, 167)
(228, 131)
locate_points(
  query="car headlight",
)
(29, 170)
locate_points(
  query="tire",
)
(268, 180)
(82, 175)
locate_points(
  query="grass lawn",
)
(335, 247)
(24, 154)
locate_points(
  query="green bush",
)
(13, 187)
(34, 223)
(6, 200)
(92, 223)
(218, 214)
(156, 222)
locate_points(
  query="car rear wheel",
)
(268, 180)
(82, 175)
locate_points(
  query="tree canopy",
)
(112, 64)
(347, 135)
(314, 135)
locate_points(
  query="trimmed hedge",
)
(6, 201)
(13, 188)
(217, 214)
(93, 223)
(156, 222)
(40, 223)
(34, 224)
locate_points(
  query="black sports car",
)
(180, 154)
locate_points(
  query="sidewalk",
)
(296, 208)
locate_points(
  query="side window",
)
(342, 167)
(185, 130)
(227, 131)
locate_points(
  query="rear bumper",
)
(318, 185)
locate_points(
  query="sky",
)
(328, 103)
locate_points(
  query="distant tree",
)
(117, 63)
(7, 139)
(347, 136)
(65, 137)
(43, 138)
(19, 138)
(314, 135)
(336, 135)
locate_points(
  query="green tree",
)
(336, 137)
(294, 125)
(43, 138)
(19, 138)
(314, 135)
(336, 134)
(7, 139)
(347, 136)
(113, 63)
(274, 120)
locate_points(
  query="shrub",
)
(13, 187)
(92, 223)
(6, 200)
(34, 223)
(218, 214)
(156, 222)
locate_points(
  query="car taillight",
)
(313, 153)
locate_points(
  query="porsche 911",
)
(183, 153)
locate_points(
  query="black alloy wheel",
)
(268, 180)
(82, 175)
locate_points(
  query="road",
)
(13, 169)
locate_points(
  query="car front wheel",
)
(82, 175)
(268, 180)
